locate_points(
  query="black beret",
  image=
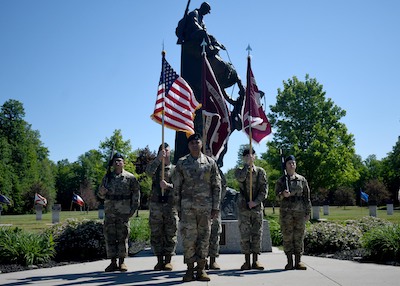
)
(247, 152)
(195, 136)
(118, 155)
(290, 158)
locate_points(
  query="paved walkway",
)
(321, 272)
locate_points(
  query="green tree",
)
(307, 124)
(391, 167)
(24, 158)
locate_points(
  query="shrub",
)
(383, 243)
(276, 234)
(368, 222)
(20, 247)
(79, 240)
(140, 230)
(330, 237)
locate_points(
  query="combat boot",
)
(160, 263)
(122, 265)
(189, 275)
(113, 266)
(201, 272)
(298, 264)
(246, 264)
(289, 265)
(256, 264)
(168, 265)
(213, 264)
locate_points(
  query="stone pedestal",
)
(315, 212)
(372, 210)
(55, 213)
(39, 210)
(101, 211)
(389, 209)
(230, 238)
(326, 209)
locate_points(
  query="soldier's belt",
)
(118, 197)
(294, 198)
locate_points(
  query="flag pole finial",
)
(248, 49)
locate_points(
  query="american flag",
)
(176, 99)
(215, 111)
(253, 115)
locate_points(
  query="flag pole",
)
(203, 89)
(162, 120)
(248, 91)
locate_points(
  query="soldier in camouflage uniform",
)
(197, 186)
(163, 217)
(251, 209)
(121, 193)
(294, 213)
(216, 226)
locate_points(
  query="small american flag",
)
(176, 99)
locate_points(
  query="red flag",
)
(215, 111)
(252, 110)
(78, 200)
(176, 99)
(40, 200)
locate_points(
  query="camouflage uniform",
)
(293, 213)
(197, 185)
(120, 203)
(216, 224)
(163, 217)
(250, 220)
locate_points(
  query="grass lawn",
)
(29, 223)
(338, 214)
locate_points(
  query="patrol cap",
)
(290, 158)
(247, 152)
(195, 136)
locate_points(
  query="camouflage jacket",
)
(299, 199)
(197, 183)
(123, 194)
(259, 185)
(154, 169)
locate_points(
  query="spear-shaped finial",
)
(203, 45)
(248, 49)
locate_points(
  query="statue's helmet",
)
(205, 7)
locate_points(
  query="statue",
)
(191, 31)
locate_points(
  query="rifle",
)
(108, 174)
(180, 29)
(287, 179)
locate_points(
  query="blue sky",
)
(83, 68)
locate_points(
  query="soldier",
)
(163, 217)
(294, 213)
(121, 193)
(197, 186)
(216, 227)
(251, 209)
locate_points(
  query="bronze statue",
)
(191, 31)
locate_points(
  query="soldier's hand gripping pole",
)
(284, 170)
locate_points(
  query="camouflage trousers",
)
(163, 221)
(216, 230)
(250, 227)
(293, 225)
(116, 234)
(195, 228)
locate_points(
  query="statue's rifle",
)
(287, 179)
(182, 23)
